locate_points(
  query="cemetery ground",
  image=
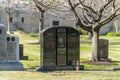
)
(91, 72)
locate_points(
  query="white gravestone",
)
(9, 51)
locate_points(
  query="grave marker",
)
(12, 48)
(59, 47)
(9, 51)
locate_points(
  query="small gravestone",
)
(59, 48)
(103, 49)
(21, 53)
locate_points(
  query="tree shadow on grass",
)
(85, 42)
(101, 62)
(117, 62)
(34, 43)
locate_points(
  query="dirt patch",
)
(99, 62)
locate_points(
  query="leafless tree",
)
(8, 8)
(43, 6)
(17, 7)
(91, 16)
(116, 21)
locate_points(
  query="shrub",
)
(21, 29)
(83, 32)
(33, 34)
(113, 34)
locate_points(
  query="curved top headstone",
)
(59, 46)
(45, 30)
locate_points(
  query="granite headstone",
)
(59, 47)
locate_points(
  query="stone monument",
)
(103, 50)
(21, 51)
(59, 48)
(9, 51)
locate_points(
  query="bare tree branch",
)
(104, 7)
(88, 28)
(62, 17)
(39, 5)
(50, 3)
(109, 18)
(88, 7)
(86, 19)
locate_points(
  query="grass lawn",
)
(114, 53)
(92, 72)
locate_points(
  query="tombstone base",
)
(45, 69)
(11, 66)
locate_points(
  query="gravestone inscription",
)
(12, 48)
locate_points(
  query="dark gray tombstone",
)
(103, 50)
(21, 53)
(59, 47)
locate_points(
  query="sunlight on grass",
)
(91, 72)
(33, 51)
(114, 52)
(30, 50)
(60, 75)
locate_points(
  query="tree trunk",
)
(41, 24)
(42, 20)
(95, 46)
(8, 23)
(90, 35)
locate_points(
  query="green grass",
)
(30, 50)
(60, 75)
(92, 72)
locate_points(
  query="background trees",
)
(13, 10)
(43, 6)
(90, 15)
(8, 7)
